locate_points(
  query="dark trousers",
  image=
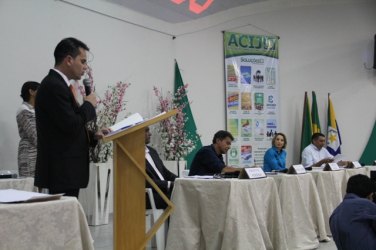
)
(67, 192)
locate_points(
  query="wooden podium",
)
(129, 186)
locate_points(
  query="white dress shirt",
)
(66, 80)
(150, 160)
(311, 155)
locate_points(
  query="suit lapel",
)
(152, 171)
(150, 167)
(61, 80)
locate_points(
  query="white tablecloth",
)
(353, 171)
(24, 184)
(226, 214)
(302, 212)
(331, 186)
(59, 224)
(369, 169)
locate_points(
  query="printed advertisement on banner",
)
(252, 96)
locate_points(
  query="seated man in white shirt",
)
(158, 172)
(315, 155)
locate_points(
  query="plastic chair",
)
(154, 214)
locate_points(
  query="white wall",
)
(322, 47)
(30, 31)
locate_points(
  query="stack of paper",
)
(12, 195)
(127, 122)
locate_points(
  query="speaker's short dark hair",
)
(361, 185)
(68, 47)
(25, 94)
(315, 136)
(222, 134)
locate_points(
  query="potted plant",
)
(175, 143)
(96, 199)
(108, 109)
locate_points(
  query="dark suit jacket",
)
(63, 141)
(162, 184)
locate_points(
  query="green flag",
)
(306, 125)
(368, 157)
(316, 128)
(189, 126)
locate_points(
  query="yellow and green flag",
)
(333, 138)
(316, 128)
(306, 125)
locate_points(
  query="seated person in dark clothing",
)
(353, 222)
(159, 173)
(209, 160)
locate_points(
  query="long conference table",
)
(278, 212)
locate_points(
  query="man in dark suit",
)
(158, 172)
(63, 140)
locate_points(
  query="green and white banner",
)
(252, 96)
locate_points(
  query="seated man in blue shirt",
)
(353, 222)
(209, 160)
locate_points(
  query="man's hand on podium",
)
(101, 133)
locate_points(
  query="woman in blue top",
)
(275, 157)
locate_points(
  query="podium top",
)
(142, 125)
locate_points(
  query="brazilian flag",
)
(316, 128)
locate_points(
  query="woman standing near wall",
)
(27, 148)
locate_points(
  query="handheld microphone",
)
(87, 84)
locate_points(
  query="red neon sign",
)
(194, 6)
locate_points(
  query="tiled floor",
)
(102, 236)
